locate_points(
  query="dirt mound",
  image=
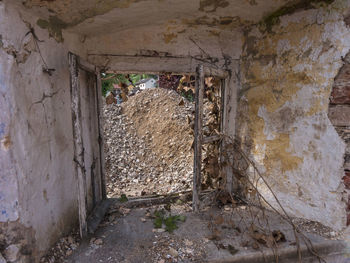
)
(148, 144)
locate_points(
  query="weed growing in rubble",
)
(170, 222)
(123, 198)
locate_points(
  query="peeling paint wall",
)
(288, 69)
(36, 151)
(37, 182)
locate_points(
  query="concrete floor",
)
(214, 235)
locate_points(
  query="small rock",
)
(70, 240)
(188, 243)
(158, 230)
(227, 208)
(98, 242)
(12, 252)
(124, 210)
(173, 252)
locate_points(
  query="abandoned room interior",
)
(253, 165)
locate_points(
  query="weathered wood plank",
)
(101, 139)
(78, 141)
(146, 201)
(211, 139)
(153, 64)
(226, 170)
(210, 71)
(84, 65)
(198, 137)
(137, 64)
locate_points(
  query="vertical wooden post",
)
(227, 171)
(78, 141)
(198, 137)
(100, 138)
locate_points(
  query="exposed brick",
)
(341, 88)
(339, 115)
(344, 133)
(340, 95)
(346, 180)
(347, 20)
(343, 77)
(347, 161)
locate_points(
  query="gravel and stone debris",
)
(148, 143)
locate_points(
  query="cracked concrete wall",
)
(37, 182)
(288, 68)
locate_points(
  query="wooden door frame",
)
(202, 72)
(76, 64)
(176, 65)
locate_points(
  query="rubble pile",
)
(148, 143)
(62, 249)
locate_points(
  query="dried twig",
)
(235, 146)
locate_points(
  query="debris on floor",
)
(62, 249)
(229, 232)
(148, 143)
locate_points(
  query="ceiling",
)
(94, 17)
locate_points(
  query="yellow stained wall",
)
(287, 75)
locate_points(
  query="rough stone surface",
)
(287, 74)
(339, 115)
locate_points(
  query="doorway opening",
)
(167, 138)
(149, 122)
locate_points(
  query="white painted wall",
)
(37, 182)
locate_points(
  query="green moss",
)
(54, 25)
(274, 18)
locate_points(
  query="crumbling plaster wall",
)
(288, 67)
(37, 181)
